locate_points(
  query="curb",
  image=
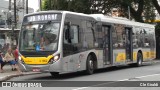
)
(155, 61)
(16, 75)
(151, 62)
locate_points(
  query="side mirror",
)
(71, 33)
(67, 26)
(67, 34)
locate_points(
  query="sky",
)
(33, 4)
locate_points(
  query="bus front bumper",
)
(55, 67)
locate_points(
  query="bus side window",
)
(70, 39)
(66, 34)
(74, 34)
(71, 34)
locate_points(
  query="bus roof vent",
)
(104, 16)
(97, 15)
(121, 18)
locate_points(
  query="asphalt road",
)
(110, 77)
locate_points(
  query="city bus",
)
(61, 42)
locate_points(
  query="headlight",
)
(19, 58)
(54, 59)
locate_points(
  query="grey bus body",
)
(86, 42)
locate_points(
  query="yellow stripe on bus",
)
(36, 60)
(134, 56)
(121, 57)
(153, 54)
(146, 55)
(149, 55)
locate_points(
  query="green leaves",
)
(140, 10)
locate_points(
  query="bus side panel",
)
(76, 50)
(100, 59)
(119, 44)
(119, 56)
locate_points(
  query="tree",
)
(136, 8)
(139, 9)
(82, 6)
(157, 6)
(149, 11)
(54, 5)
(157, 29)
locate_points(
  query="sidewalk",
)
(8, 73)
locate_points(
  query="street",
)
(110, 76)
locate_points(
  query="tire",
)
(139, 59)
(54, 74)
(89, 65)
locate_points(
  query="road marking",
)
(124, 80)
(117, 81)
(148, 76)
(95, 85)
(140, 77)
(80, 88)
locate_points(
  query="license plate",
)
(36, 70)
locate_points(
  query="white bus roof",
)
(59, 11)
(7, 29)
(119, 20)
(100, 17)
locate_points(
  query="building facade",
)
(5, 13)
(8, 37)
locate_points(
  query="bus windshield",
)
(39, 37)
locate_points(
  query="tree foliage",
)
(139, 9)
(157, 6)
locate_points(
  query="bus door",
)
(128, 43)
(106, 44)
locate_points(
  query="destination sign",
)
(42, 17)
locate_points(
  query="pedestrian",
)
(10, 59)
(1, 62)
(15, 52)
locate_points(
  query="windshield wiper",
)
(30, 48)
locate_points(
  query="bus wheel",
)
(89, 65)
(54, 74)
(139, 59)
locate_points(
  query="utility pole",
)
(129, 13)
(55, 4)
(23, 7)
(9, 5)
(69, 4)
(50, 4)
(15, 15)
(9, 18)
(26, 6)
(40, 5)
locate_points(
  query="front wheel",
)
(89, 65)
(54, 74)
